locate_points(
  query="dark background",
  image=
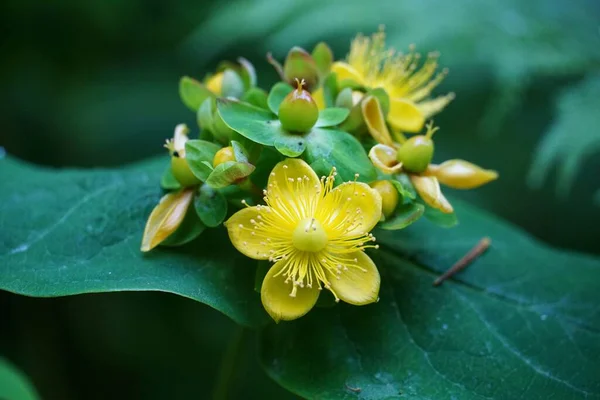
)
(94, 84)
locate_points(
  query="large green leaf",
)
(522, 322)
(13, 384)
(68, 232)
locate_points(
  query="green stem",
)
(228, 364)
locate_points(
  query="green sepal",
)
(210, 205)
(205, 113)
(323, 58)
(404, 215)
(228, 173)
(344, 99)
(247, 73)
(257, 97)
(168, 181)
(330, 90)
(331, 117)
(278, 92)
(193, 93)
(232, 85)
(405, 188)
(221, 131)
(300, 65)
(199, 155)
(191, 227)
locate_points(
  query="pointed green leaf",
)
(228, 173)
(277, 94)
(331, 117)
(193, 93)
(323, 57)
(247, 73)
(342, 150)
(210, 205)
(79, 231)
(256, 97)
(251, 122)
(198, 154)
(290, 144)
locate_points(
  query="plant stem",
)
(228, 364)
(468, 258)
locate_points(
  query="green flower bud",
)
(232, 84)
(298, 112)
(389, 196)
(182, 172)
(224, 155)
(179, 165)
(417, 152)
(300, 65)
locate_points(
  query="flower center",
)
(309, 235)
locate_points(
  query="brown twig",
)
(353, 389)
(461, 264)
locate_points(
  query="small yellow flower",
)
(457, 174)
(316, 236)
(406, 80)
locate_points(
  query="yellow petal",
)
(373, 116)
(215, 82)
(180, 137)
(166, 218)
(461, 174)
(240, 227)
(360, 199)
(345, 71)
(275, 296)
(405, 116)
(431, 107)
(284, 178)
(319, 98)
(428, 188)
(359, 285)
(384, 158)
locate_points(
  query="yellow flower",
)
(316, 236)
(457, 174)
(406, 80)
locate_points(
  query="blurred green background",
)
(94, 84)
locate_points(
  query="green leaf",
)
(330, 90)
(277, 94)
(331, 116)
(228, 173)
(290, 144)
(405, 187)
(521, 322)
(193, 93)
(251, 122)
(14, 385)
(256, 97)
(342, 150)
(247, 73)
(210, 205)
(232, 84)
(168, 181)
(404, 215)
(200, 155)
(191, 227)
(79, 231)
(323, 57)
